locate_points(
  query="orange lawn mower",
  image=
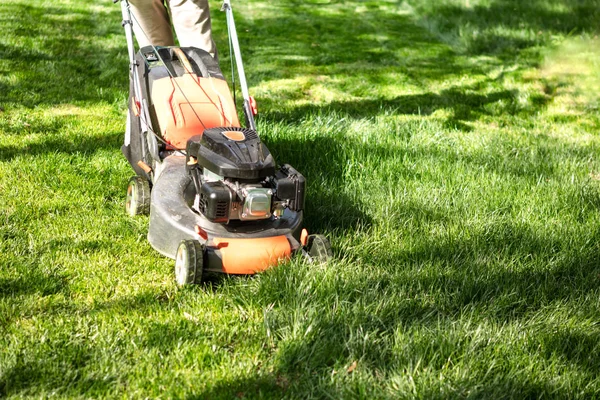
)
(218, 202)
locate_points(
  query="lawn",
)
(452, 154)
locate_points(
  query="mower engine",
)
(236, 178)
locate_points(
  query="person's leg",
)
(151, 23)
(191, 19)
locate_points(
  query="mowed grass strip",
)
(451, 150)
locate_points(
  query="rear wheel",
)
(318, 248)
(189, 262)
(138, 197)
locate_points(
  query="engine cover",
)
(232, 152)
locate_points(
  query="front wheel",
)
(318, 248)
(189, 262)
(138, 197)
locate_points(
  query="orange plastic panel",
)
(187, 105)
(253, 106)
(236, 136)
(248, 256)
(304, 237)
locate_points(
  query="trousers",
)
(154, 21)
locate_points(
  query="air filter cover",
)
(232, 152)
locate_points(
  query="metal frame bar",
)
(231, 30)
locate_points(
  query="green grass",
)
(451, 151)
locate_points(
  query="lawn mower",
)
(217, 200)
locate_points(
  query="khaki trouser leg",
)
(191, 19)
(152, 24)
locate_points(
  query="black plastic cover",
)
(244, 157)
(202, 62)
(215, 201)
(290, 185)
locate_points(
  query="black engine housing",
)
(232, 152)
(235, 177)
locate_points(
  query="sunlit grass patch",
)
(571, 73)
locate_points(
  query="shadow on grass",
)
(47, 373)
(24, 281)
(506, 28)
(327, 205)
(32, 282)
(244, 387)
(573, 347)
(315, 38)
(463, 106)
(385, 50)
(295, 386)
(66, 65)
(505, 276)
(52, 144)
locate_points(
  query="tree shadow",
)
(56, 62)
(30, 280)
(351, 63)
(464, 106)
(264, 386)
(487, 277)
(47, 373)
(88, 144)
(352, 46)
(506, 28)
(34, 282)
(573, 347)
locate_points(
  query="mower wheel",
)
(138, 197)
(319, 248)
(189, 262)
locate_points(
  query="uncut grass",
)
(456, 176)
